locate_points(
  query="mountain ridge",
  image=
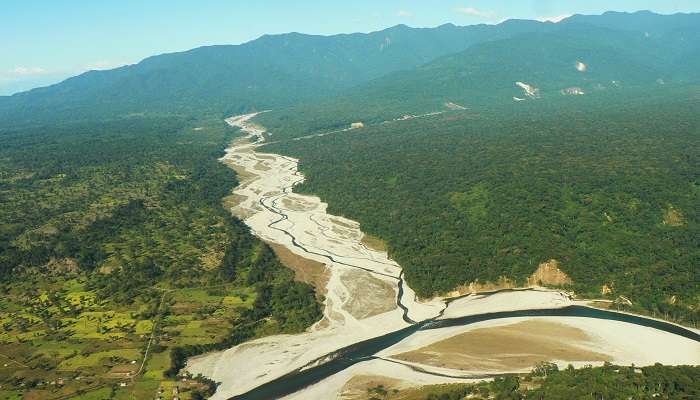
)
(284, 69)
(574, 17)
(270, 71)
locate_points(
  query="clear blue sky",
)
(44, 41)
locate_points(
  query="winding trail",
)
(370, 314)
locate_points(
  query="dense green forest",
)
(112, 234)
(608, 188)
(549, 383)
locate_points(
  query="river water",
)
(365, 350)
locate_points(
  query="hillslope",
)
(271, 71)
(573, 58)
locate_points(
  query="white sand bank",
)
(625, 343)
(507, 301)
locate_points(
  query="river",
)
(360, 352)
(368, 308)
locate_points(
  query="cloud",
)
(30, 74)
(555, 19)
(27, 71)
(21, 78)
(404, 14)
(474, 12)
(102, 65)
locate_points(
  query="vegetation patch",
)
(673, 217)
(305, 270)
(374, 243)
(607, 382)
(119, 243)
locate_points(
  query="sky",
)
(45, 41)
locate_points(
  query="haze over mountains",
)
(473, 64)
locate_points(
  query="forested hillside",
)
(272, 71)
(575, 145)
(112, 235)
(608, 189)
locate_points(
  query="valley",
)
(504, 210)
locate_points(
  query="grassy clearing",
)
(64, 332)
(374, 243)
(96, 359)
(10, 394)
(99, 394)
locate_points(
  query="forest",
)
(113, 237)
(607, 188)
(547, 382)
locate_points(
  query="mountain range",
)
(471, 64)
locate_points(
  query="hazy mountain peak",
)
(399, 27)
